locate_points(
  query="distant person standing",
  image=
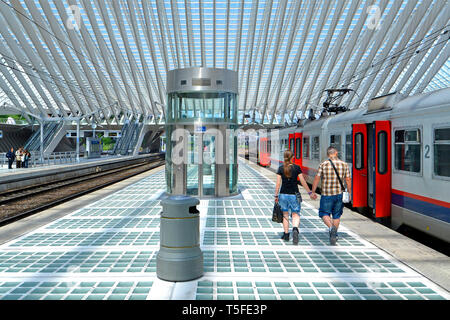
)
(19, 158)
(331, 204)
(10, 156)
(25, 158)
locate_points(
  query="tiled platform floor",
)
(107, 250)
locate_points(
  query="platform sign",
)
(199, 128)
(93, 147)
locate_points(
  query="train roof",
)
(407, 105)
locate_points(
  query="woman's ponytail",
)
(288, 154)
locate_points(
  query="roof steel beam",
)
(14, 65)
(422, 72)
(214, 33)
(177, 33)
(336, 51)
(191, 45)
(410, 27)
(296, 18)
(6, 72)
(101, 79)
(350, 48)
(227, 31)
(278, 38)
(416, 25)
(295, 66)
(363, 44)
(150, 43)
(74, 67)
(148, 78)
(202, 34)
(384, 32)
(132, 61)
(164, 27)
(117, 54)
(444, 56)
(105, 56)
(263, 55)
(253, 19)
(426, 25)
(323, 50)
(49, 65)
(237, 47)
(307, 63)
(21, 58)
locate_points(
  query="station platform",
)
(103, 246)
(12, 179)
(6, 173)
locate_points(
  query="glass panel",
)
(306, 147)
(292, 144)
(441, 152)
(412, 135)
(442, 134)
(315, 148)
(442, 160)
(407, 150)
(348, 149)
(233, 174)
(192, 166)
(359, 151)
(382, 152)
(298, 148)
(407, 157)
(190, 106)
(335, 141)
(209, 167)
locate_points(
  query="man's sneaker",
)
(333, 232)
(285, 237)
(295, 236)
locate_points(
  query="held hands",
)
(313, 196)
(276, 199)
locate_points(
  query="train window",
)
(359, 151)
(291, 143)
(441, 152)
(408, 150)
(382, 152)
(315, 148)
(335, 141)
(305, 147)
(348, 148)
(298, 148)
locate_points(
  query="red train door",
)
(359, 174)
(298, 148)
(383, 170)
(292, 142)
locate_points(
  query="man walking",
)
(331, 199)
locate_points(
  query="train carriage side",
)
(421, 163)
(280, 143)
(312, 148)
(400, 161)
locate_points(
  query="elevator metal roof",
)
(103, 59)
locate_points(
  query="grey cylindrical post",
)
(180, 257)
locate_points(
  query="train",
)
(398, 150)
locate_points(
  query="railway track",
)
(16, 204)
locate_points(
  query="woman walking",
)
(288, 174)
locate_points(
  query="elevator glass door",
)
(192, 166)
(208, 173)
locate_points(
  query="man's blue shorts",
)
(331, 205)
(289, 201)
